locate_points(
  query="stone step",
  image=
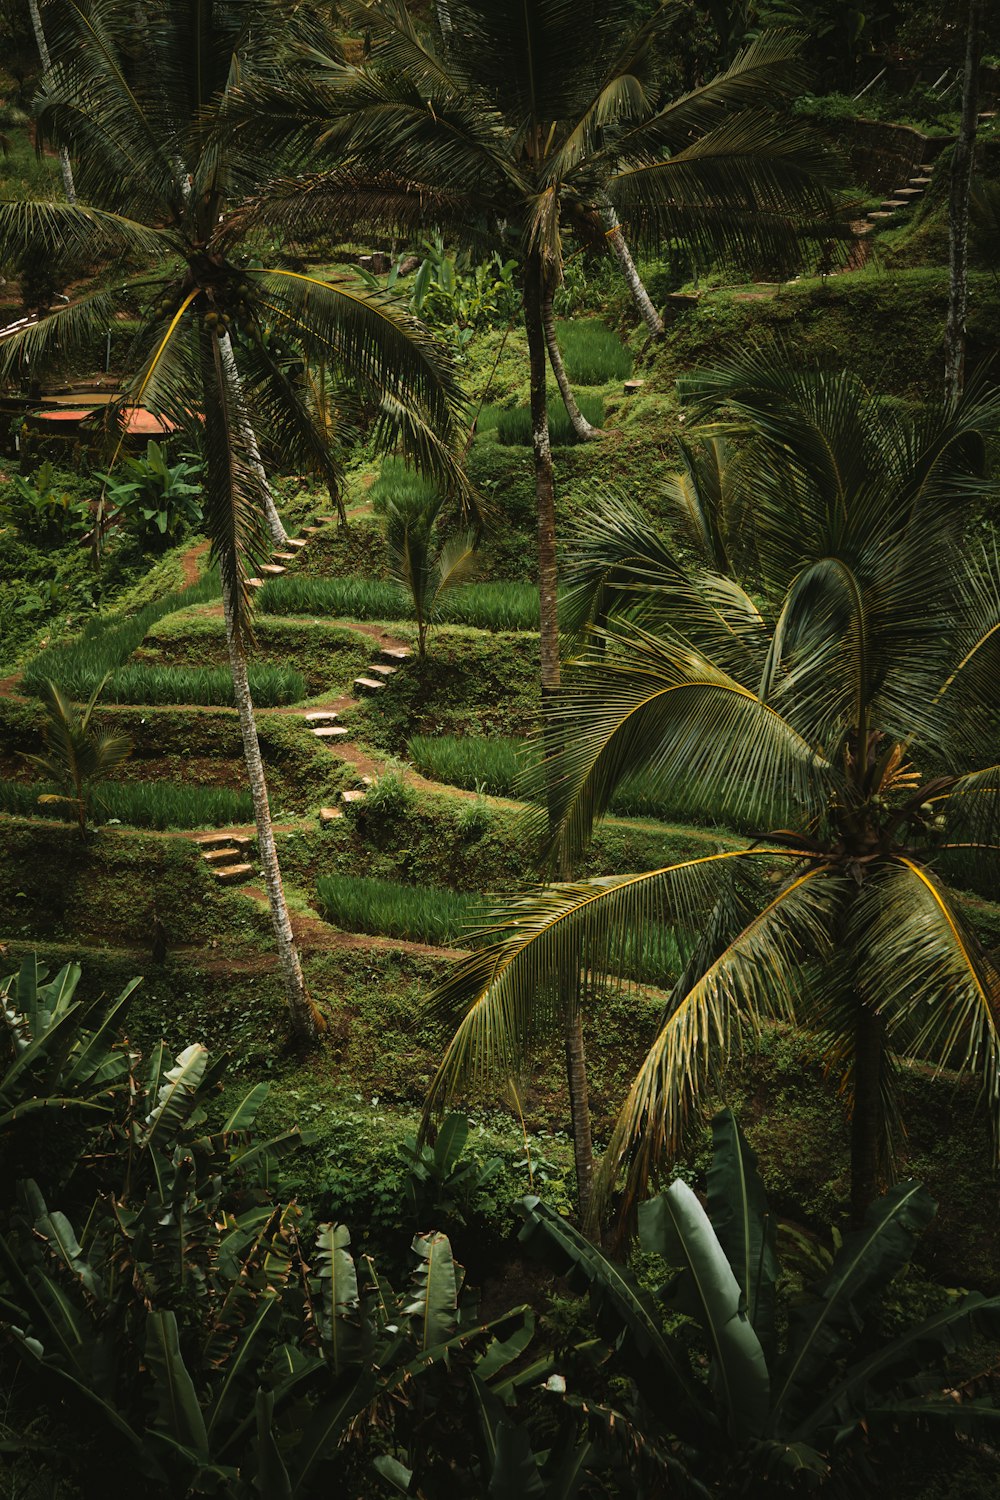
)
(880, 214)
(283, 556)
(920, 182)
(321, 716)
(297, 542)
(327, 520)
(926, 166)
(329, 814)
(223, 840)
(353, 796)
(222, 856)
(889, 205)
(255, 583)
(907, 192)
(311, 530)
(271, 569)
(368, 685)
(233, 874)
(633, 387)
(397, 654)
(332, 732)
(382, 668)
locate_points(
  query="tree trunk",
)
(866, 1118)
(69, 186)
(583, 429)
(276, 530)
(579, 1108)
(958, 208)
(544, 480)
(620, 251)
(306, 1020)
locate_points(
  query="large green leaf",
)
(176, 1096)
(737, 1207)
(675, 1225)
(434, 1284)
(626, 1317)
(179, 1414)
(271, 1480)
(341, 1327)
(822, 1326)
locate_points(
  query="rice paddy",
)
(209, 687)
(592, 353)
(139, 804)
(512, 425)
(419, 914)
(105, 644)
(486, 606)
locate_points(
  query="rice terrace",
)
(499, 722)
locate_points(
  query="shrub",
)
(592, 354)
(421, 914)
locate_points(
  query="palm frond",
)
(754, 972)
(556, 947)
(925, 971)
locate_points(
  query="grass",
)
(513, 425)
(592, 354)
(210, 687)
(396, 482)
(141, 804)
(107, 643)
(420, 914)
(485, 606)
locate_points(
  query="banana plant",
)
(184, 1318)
(783, 1400)
(77, 752)
(58, 1052)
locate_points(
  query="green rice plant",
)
(398, 484)
(496, 765)
(140, 804)
(350, 598)
(420, 914)
(513, 426)
(592, 354)
(486, 606)
(492, 606)
(493, 766)
(107, 643)
(210, 687)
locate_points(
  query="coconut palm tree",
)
(131, 91)
(521, 121)
(837, 703)
(77, 753)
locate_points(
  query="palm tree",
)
(132, 90)
(522, 120)
(77, 753)
(38, 28)
(426, 566)
(838, 706)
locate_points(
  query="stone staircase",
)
(280, 559)
(903, 197)
(226, 855)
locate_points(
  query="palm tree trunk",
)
(583, 429)
(548, 581)
(545, 496)
(579, 1108)
(958, 208)
(276, 530)
(620, 251)
(69, 186)
(305, 1019)
(866, 1117)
